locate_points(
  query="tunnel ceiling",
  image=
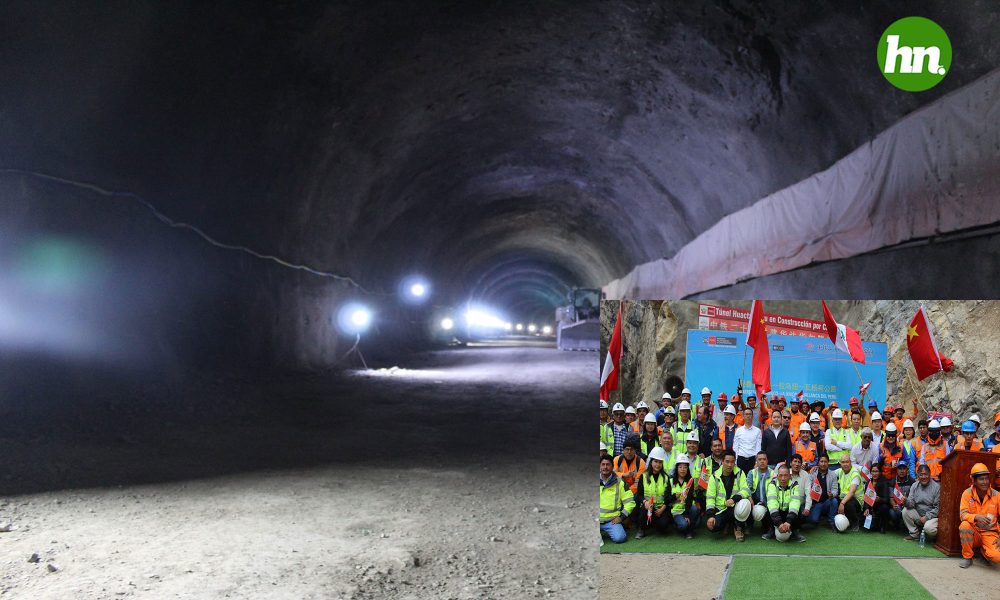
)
(508, 150)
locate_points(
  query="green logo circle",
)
(914, 54)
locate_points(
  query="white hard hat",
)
(705, 390)
(693, 436)
(669, 411)
(975, 418)
(617, 407)
(603, 446)
(649, 418)
(759, 512)
(814, 418)
(907, 423)
(742, 510)
(876, 416)
(685, 391)
(658, 453)
(685, 405)
(642, 404)
(666, 396)
(934, 424)
(782, 537)
(945, 422)
(890, 428)
(604, 404)
(841, 522)
(730, 410)
(683, 458)
(837, 414)
(630, 410)
(804, 427)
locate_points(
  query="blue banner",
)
(813, 365)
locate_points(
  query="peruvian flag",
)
(703, 479)
(864, 388)
(609, 376)
(923, 350)
(816, 490)
(757, 339)
(898, 494)
(843, 337)
(870, 494)
(866, 473)
(687, 488)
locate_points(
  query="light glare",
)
(447, 324)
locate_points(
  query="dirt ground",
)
(945, 579)
(627, 576)
(462, 475)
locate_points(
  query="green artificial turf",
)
(757, 577)
(819, 541)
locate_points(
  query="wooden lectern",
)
(955, 479)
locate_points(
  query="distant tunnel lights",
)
(519, 327)
(532, 328)
(447, 324)
(479, 318)
(547, 330)
(414, 290)
(354, 318)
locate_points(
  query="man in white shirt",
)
(746, 442)
(864, 453)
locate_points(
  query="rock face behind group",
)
(966, 331)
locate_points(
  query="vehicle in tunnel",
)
(578, 322)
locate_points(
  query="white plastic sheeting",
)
(935, 171)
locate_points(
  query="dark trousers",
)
(661, 523)
(783, 517)
(725, 518)
(852, 510)
(745, 463)
(886, 517)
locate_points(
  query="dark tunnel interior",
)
(506, 151)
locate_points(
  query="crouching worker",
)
(653, 491)
(685, 509)
(979, 508)
(616, 503)
(783, 504)
(726, 487)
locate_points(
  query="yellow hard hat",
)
(979, 469)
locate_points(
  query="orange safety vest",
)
(970, 506)
(977, 444)
(807, 451)
(890, 459)
(932, 454)
(620, 467)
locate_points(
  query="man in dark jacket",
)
(776, 441)
(891, 513)
(707, 430)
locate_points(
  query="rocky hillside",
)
(966, 331)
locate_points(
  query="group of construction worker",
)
(731, 465)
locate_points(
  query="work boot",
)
(769, 535)
(739, 534)
(798, 537)
(689, 536)
(966, 563)
(640, 534)
(856, 528)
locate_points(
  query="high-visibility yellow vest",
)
(839, 437)
(615, 498)
(779, 498)
(845, 480)
(657, 487)
(716, 494)
(676, 489)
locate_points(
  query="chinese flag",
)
(923, 350)
(816, 490)
(870, 495)
(757, 339)
(703, 479)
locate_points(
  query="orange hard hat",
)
(996, 419)
(979, 469)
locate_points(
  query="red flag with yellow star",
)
(923, 349)
(760, 372)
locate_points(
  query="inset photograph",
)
(854, 436)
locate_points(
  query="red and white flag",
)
(864, 388)
(898, 494)
(923, 349)
(612, 362)
(703, 479)
(757, 339)
(684, 492)
(866, 473)
(870, 495)
(816, 490)
(843, 337)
